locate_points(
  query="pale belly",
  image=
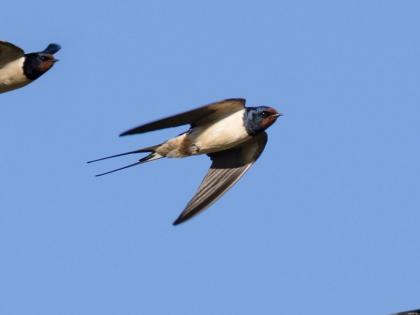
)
(12, 77)
(221, 135)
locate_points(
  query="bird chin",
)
(267, 122)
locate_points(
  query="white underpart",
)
(12, 76)
(220, 135)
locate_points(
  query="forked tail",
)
(152, 156)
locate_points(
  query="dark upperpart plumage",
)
(229, 163)
(412, 312)
(259, 118)
(36, 64)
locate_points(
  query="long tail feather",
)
(119, 169)
(117, 155)
(152, 156)
(142, 150)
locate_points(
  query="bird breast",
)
(220, 135)
(12, 76)
(225, 133)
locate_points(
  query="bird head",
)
(36, 64)
(260, 118)
(44, 62)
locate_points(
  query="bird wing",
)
(52, 49)
(227, 168)
(413, 312)
(9, 52)
(194, 117)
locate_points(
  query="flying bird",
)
(18, 69)
(232, 135)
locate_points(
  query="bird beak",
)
(277, 115)
(55, 60)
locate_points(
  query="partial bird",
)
(18, 69)
(413, 312)
(232, 135)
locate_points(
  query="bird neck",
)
(252, 127)
(31, 67)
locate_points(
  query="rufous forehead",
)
(271, 110)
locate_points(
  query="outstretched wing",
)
(227, 168)
(9, 52)
(199, 115)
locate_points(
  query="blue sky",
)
(325, 222)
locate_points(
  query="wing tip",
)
(179, 220)
(184, 217)
(128, 132)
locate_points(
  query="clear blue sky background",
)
(326, 222)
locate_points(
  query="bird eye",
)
(264, 114)
(43, 58)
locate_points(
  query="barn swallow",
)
(18, 69)
(231, 134)
(413, 312)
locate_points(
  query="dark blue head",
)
(36, 64)
(260, 118)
